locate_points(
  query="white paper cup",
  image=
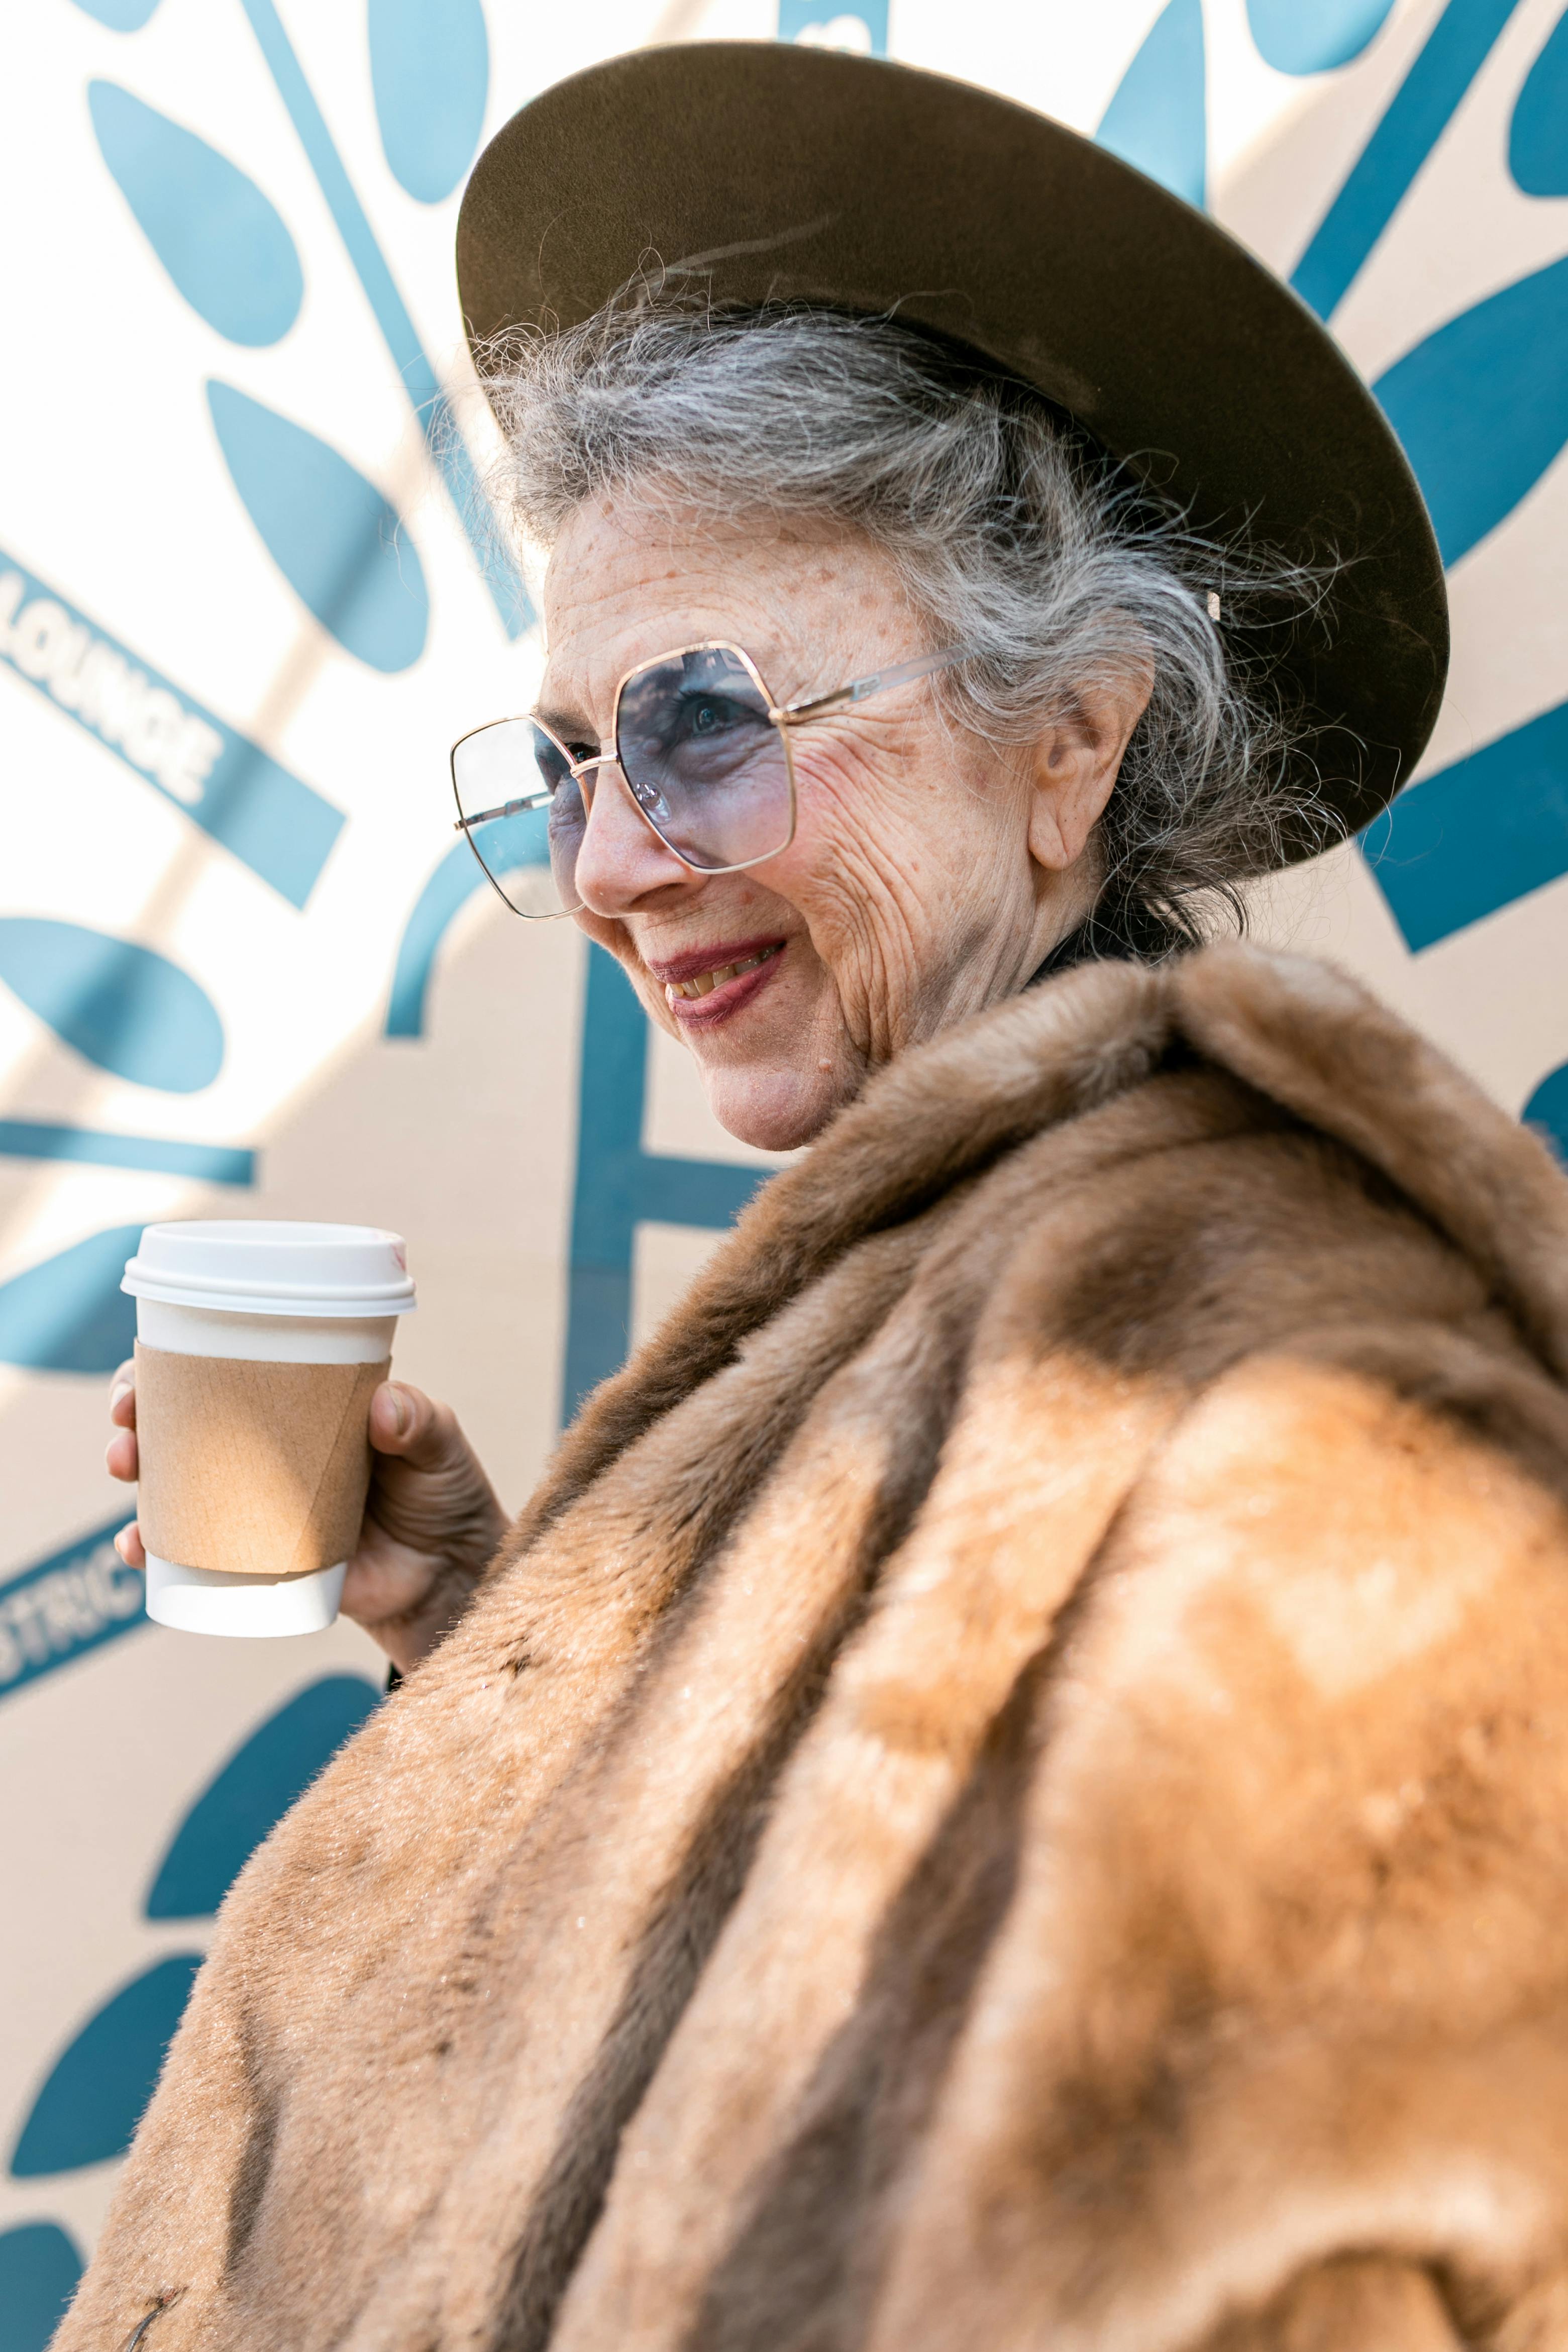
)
(249, 1295)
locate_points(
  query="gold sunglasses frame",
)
(783, 716)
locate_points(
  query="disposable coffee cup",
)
(258, 1348)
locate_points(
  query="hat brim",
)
(774, 172)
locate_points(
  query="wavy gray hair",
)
(1011, 529)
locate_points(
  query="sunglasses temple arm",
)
(926, 666)
(508, 808)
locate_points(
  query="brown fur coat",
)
(1010, 1790)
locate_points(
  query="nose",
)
(621, 860)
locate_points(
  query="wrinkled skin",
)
(930, 873)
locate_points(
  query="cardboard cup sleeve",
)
(258, 1469)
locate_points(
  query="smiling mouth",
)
(703, 983)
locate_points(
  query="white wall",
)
(252, 1041)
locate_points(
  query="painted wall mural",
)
(251, 586)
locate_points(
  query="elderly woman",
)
(1010, 1788)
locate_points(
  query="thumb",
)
(404, 1421)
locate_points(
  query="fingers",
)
(128, 1543)
(393, 1412)
(403, 1420)
(121, 1457)
(120, 1454)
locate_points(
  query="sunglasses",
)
(704, 750)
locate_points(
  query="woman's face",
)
(930, 872)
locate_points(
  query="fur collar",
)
(1002, 1789)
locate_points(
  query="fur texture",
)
(1010, 1788)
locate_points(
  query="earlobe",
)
(1049, 786)
(1075, 766)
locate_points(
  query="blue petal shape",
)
(119, 16)
(509, 844)
(1482, 832)
(1537, 134)
(1158, 117)
(97, 2090)
(342, 549)
(126, 1009)
(39, 2267)
(252, 1791)
(1308, 36)
(68, 1314)
(1548, 1109)
(220, 240)
(430, 67)
(1481, 406)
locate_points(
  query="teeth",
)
(703, 983)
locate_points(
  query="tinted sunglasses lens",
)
(704, 760)
(522, 815)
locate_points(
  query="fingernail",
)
(121, 1389)
(402, 1408)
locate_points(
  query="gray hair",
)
(1010, 529)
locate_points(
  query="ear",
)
(1075, 763)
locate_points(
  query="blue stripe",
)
(40, 1139)
(620, 1185)
(1414, 120)
(420, 381)
(703, 1193)
(279, 826)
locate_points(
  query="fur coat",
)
(1009, 1791)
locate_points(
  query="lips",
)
(703, 983)
(709, 984)
(669, 970)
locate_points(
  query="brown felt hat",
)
(779, 173)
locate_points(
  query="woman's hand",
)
(431, 1520)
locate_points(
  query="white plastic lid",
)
(256, 1268)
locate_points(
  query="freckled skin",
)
(930, 873)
